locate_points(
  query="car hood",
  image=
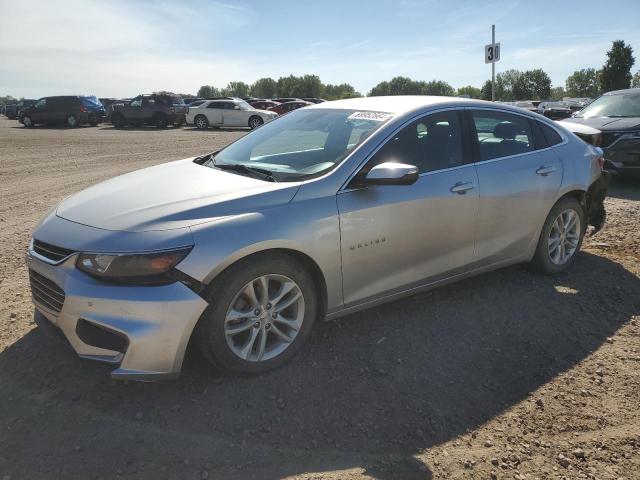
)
(172, 195)
(608, 123)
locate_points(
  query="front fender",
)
(309, 227)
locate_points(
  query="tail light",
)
(600, 162)
(83, 109)
(172, 110)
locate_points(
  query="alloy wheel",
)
(264, 318)
(564, 237)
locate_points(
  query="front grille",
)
(51, 252)
(609, 137)
(45, 292)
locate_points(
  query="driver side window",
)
(136, 102)
(434, 142)
(41, 103)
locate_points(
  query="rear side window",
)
(551, 136)
(501, 134)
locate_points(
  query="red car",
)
(263, 104)
(286, 107)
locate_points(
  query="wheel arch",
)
(298, 256)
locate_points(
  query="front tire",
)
(201, 122)
(71, 121)
(160, 121)
(561, 237)
(261, 312)
(27, 121)
(117, 120)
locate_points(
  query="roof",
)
(398, 104)
(621, 92)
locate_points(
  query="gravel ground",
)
(506, 375)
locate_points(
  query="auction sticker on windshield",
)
(377, 116)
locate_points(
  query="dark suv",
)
(159, 109)
(69, 110)
(617, 116)
(13, 111)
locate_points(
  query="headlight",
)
(139, 268)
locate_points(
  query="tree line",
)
(510, 85)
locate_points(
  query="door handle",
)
(545, 170)
(462, 187)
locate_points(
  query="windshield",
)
(90, 101)
(244, 105)
(621, 105)
(302, 144)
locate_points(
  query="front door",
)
(394, 238)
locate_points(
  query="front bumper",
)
(155, 322)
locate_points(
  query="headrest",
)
(439, 130)
(506, 130)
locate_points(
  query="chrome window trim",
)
(565, 139)
(414, 117)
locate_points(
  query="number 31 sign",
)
(492, 53)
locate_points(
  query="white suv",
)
(227, 113)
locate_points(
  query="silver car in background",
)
(328, 210)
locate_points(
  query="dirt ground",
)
(509, 375)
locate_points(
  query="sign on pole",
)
(492, 53)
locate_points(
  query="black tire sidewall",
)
(206, 120)
(541, 259)
(30, 123)
(251, 120)
(210, 331)
(160, 120)
(68, 123)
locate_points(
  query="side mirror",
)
(392, 173)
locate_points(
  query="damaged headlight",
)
(139, 268)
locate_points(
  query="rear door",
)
(214, 113)
(394, 238)
(233, 116)
(518, 178)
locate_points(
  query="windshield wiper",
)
(261, 173)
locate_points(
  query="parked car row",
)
(160, 109)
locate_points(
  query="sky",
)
(120, 48)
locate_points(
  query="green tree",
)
(616, 72)
(532, 85)
(583, 83)
(236, 89)
(307, 86)
(505, 83)
(557, 93)
(6, 100)
(635, 81)
(286, 86)
(337, 92)
(264, 88)
(486, 90)
(437, 87)
(208, 91)
(471, 92)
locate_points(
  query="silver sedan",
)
(328, 210)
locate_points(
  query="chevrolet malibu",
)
(331, 209)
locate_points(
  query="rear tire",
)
(117, 120)
(160, 120)
(255, 122)
(561, 237)
(227, 298)
(201, 122)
